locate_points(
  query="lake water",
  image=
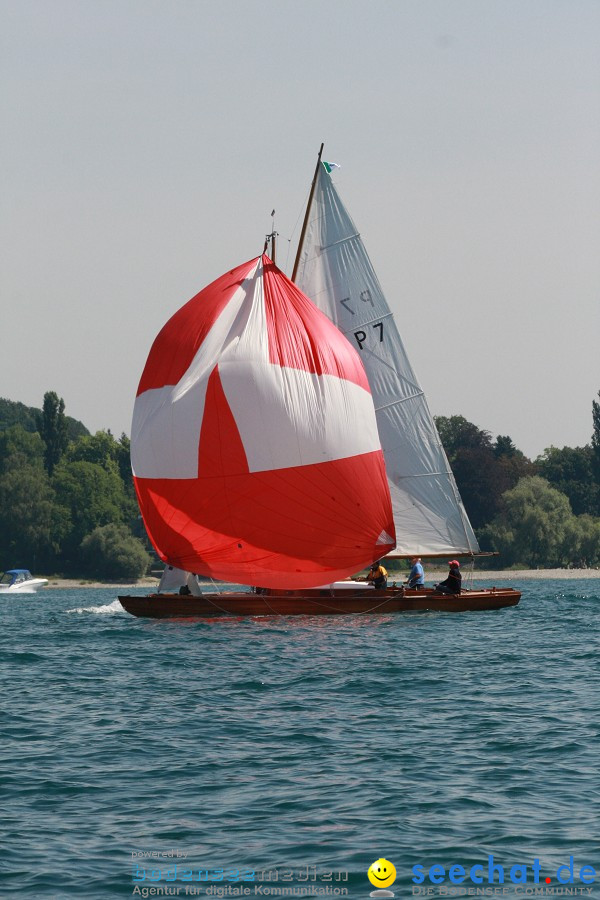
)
(286, 749)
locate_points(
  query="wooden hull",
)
(315, 602)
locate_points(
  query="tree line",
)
(68, 505)
(542, 513)
(67, 501)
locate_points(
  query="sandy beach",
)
(432, 575)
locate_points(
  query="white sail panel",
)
(178, 409)
(336, 273)
(314, 416)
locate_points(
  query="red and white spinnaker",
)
(255, 448)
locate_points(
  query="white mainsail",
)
(335, 271)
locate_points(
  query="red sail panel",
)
(293, 528)
(288, 344)
(256, 455)
(179, 340)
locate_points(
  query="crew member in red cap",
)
(453, 582)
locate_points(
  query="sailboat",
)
(283, 443)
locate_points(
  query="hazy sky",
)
(145, 143)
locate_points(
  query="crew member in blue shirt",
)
(416, 577)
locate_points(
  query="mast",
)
(307, 214)
(270, 238)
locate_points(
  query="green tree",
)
(596, 438)
(535, 528)
(43, 518)
(29, 530)
(458, 434)
(504, 447)
(14, 413)
(510, 466)
(571, 471)
(52, 425)
(90, 496)
(19, 448)
(112, 552)
(113, 456)
(100, 448)
(586, 538)
(483, 470)
(470, 454)
(124, 462)
(27, 521)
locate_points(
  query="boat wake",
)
(106, 610)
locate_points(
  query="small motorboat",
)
(20, 581)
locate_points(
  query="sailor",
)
(377, 575)
(416, 577)
(453, 582)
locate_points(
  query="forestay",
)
(255, 449)
(335, 271)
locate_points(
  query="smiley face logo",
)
(382, 873)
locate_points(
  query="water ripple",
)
(268, 743)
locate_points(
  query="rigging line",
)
(347, 612)
(388, 315)
(335, 609)
(428, 512)
(399, 401)
(220, 608)
(433, 433)
(464, 519)
(266, 602)
(465, 524)
(295, 228)
(450, 475)
(470, 566)
(463, 513)
(383, 362)
(427, 474)
(440, 447)
(351, 237)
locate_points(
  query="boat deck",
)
(316, 602)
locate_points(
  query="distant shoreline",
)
(431, 575)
